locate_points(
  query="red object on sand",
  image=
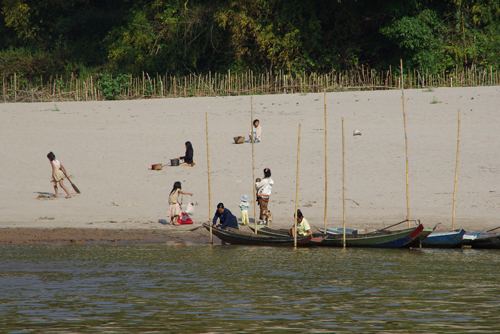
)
(184, 219)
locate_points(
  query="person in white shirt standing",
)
(264, 190)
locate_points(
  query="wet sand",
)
(108, 148)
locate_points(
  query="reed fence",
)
(73, 88)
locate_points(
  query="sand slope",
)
(108, 148)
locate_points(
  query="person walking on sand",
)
(244, 210)
(255, 133)
(175, 209)
(58, 173)
(264, 189)
(188, 157)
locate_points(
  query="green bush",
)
(112, 87)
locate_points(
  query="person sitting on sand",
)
(255, 134)
(226, 218)
(58, 173)
(303, 227)
(188, 158)
(175, 209)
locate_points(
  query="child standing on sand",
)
(175, 209)
(58, 173)
(244, 210)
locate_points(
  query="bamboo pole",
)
(209, 185)
(406, 149)
(253, 170)
(296, 193)
(456, 172)
(343, 184)
(326, 160)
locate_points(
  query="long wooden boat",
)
(382, 239)
(453, 239)
(486, 241)
(238, 237)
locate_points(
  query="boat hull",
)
(486, 241)
(237, 237)
(452, 239)
(385, 239)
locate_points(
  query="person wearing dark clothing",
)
(188, 158)
(226, 218)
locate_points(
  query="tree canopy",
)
(45, 37)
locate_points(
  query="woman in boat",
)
(175, 209)
(58, 173)
(264, 189)
(226, 218)
(188, 157)
(255, 133)
(303, 227)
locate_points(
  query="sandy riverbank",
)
(108, 148)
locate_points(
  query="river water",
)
(184, 288)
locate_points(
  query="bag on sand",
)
(190, 208)
(184, 219)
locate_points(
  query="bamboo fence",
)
(73, 88)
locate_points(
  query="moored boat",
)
(238, 237)
(486, 241)
(453, 239)
(381, 239)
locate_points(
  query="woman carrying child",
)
(264, 189)
(175, 209)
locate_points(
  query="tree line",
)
(42, 38)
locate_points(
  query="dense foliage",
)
(46, 37)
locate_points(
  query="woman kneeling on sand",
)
(188, 157)
(57, 174)
(175, 209)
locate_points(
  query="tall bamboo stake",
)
(456, 172)
(406, 148)
(296, 192)
(343, 184)
(326, 174)
(253, 170)
(209, 185)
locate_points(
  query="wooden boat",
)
(453, 239)
(486, 241)
(482, 240)
(238, 237)
(380, 239)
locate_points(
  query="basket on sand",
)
(156, 167)
(239, 140)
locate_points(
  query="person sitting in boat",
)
(303, 227)
(226, 218)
